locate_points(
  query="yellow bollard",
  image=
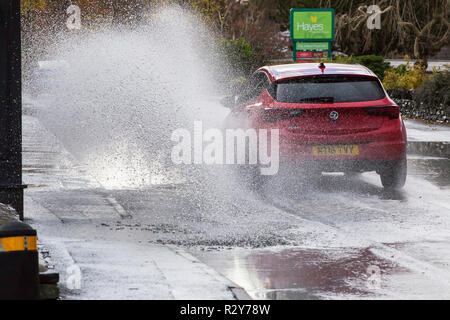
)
(19, 268)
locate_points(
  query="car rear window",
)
(327, 89)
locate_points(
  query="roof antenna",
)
(322, 67)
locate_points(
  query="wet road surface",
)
(331, 236)
(384, 245)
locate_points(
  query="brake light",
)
(392, 112)
(273, 114)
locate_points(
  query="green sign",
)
(312, 46)
(312, 24)
(311, 50)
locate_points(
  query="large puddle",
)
(298, 273)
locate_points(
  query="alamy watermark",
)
(374, 20)
(373, 281)
(230, 146)
(73, 22)
(73, 280)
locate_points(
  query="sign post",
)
(312, 32)
(11, 187)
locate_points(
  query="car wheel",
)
(394, 175)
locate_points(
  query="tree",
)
(417, 28)
(413, 27)
(28, 5)
(430, 36)
(247, 20)
(128, 12)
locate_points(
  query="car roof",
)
(294, 70)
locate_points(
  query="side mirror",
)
(228, 102)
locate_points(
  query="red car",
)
(337, 117)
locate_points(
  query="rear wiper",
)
(318, 99)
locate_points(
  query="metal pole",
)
(11, 187)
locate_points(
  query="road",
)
(324, 237)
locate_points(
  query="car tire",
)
(393, 176)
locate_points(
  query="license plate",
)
(336, 150)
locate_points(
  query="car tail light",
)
(392, 112)
(273, 114)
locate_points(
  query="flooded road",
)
(378, 245)
(108, 200)
(325, 237)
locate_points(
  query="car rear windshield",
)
(327, 89)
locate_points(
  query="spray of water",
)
(114, 107)
(119, 98)
(123, 92)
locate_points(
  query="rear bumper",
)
(372, 151)
(386, 144)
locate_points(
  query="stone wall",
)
(443, 54)
(410, 109)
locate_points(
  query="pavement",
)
(422, 132)
(94, 263)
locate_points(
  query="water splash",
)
(124, 91)
(115, 106)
